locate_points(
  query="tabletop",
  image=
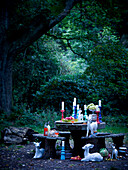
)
(59, 125)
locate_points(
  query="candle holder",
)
(63, 153)
(75, 112)
(85, 114)
(97, 112)
(62, 111)
(100, 117)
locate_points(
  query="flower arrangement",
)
(69, 119)
(91, 107)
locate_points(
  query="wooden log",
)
(16, 135)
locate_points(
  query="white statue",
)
(91, 126)
(39, 152)
(80, 115)
(91, 156)
(114, 151)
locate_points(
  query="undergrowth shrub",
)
(116, 120)
(24, 117)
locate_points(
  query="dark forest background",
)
(84, 56)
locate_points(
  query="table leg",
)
(50, 151)
(67, 137)
(118, 141)
(77, 150)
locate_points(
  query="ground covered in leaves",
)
(21, 157)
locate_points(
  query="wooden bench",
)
(66, 134)
(99, 140)
(48, 143)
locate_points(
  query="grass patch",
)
(114, 129)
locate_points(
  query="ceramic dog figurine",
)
(91, 126)
(91, 156)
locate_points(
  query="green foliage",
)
(31, 69)
(22, 117)
(121, 120)
(59, 89)
(87, 62)
(107, 73)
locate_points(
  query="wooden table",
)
(77, 129)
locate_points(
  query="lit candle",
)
(62, 105)
(74, 101)
(85, 107)
(62, 143)
(77, 106)
(100, 103)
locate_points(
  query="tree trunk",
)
(5, 79)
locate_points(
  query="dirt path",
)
(16, 157)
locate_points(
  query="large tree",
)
(21, 23)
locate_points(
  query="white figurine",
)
(114, 151)
(91, 157)
(91, 126)
(39, 152)
(80, 115)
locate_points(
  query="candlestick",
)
(85, 114)
(100, 117)
(74, 112)
(63, 151)
(77, 111)
(62, 111)
(97, 112)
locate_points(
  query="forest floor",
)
(18, 157)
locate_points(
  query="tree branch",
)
(38, 27)
(69, 45)
(62, 38)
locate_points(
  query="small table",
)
(77, 129)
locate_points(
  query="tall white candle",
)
(77, 106)
(74, 101)
(73, 105)
(62, 143)
(62, 105)
(85, 107)
(99, 102)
